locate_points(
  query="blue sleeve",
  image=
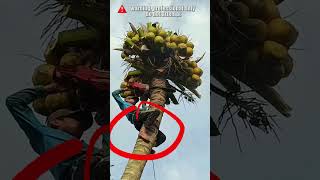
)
(122, 104)
(42, 138)
(17, 104)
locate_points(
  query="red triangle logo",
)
(122, 9)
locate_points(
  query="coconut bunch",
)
(255, 46)
(127, 90)
(84, 45)
(151, 48)
(44, 75)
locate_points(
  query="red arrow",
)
(122, 10)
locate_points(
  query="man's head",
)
(131, 100)
(72, 122)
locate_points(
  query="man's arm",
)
(18, 107)
(122, 104)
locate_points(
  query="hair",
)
(83, 117)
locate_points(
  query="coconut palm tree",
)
(160, 56)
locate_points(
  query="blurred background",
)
(297, 156)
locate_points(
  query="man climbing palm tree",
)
(145, 116)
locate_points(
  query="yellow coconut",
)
(183, 39)
(239, 9)
(130, 34)
(168, 39)
(282, 31)
(70, 59)
(274, 51)
(189, 52)
(254, 29)
(135, 39)
(150, 36)
(174, 38)
(124, 85)
(190, 44)
(162, 33)
(159, 40)
(267, 11)
(193, 64)
(152, 29)
(195, 77)
(39, 106)
(58, 101)
(182, 46)
(43, 74)
(172, 45)
(197, 71)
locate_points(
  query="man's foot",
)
(161, 138)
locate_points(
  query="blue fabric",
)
(124, 105)
(42, 138)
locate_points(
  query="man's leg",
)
(148, 118)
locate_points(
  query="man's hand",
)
(139, 86)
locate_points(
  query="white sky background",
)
(191, 159)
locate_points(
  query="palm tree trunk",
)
(134, 168)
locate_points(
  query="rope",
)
(154, 172)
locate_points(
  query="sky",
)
(297, 156)
(191, 159)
